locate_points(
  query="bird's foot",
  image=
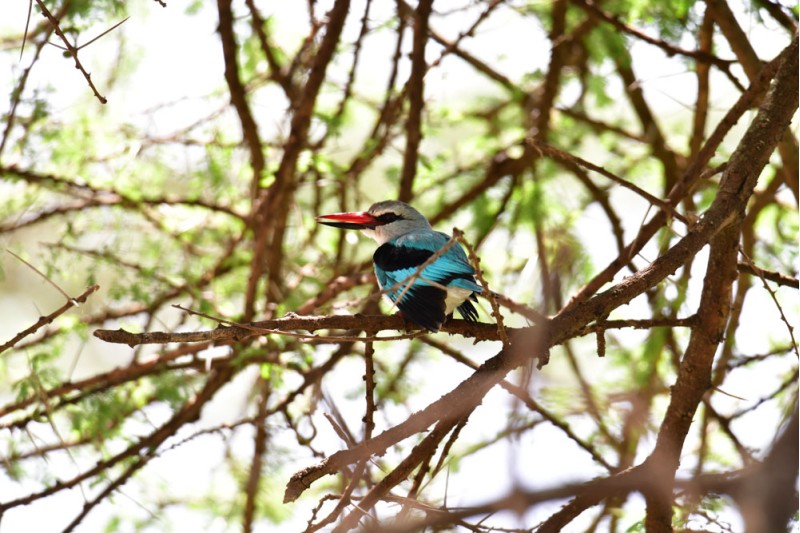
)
(407, 325)
(410, 326)
(447, 318)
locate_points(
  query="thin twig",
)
(43, 321)
(84, 45)
(564, 156)
(785, 320)
(71, 49)
(48, 280)
(476, 264)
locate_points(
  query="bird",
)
(406, 240)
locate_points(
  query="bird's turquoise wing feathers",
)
(424, 300)
(402, 256)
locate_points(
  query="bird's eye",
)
(386, 218)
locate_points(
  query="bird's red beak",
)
(349, 220)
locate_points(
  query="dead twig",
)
(73, 51)
(43, 321)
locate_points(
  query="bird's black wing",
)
(468, 310)
(422, 304)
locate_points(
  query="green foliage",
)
(597, 88)
(42, 374)
(670, 18)
(114, 524)
(97, 416)
(638, 527)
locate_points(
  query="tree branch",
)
(44, 320)
(416, 99)
(292, 323)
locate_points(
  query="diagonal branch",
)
(272, 205)
(188, 413)
(73, 51)
(44, 320)
(687, 182)
(700, 56)
(416, 99)
(237, 89)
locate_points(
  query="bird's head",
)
(383, 221)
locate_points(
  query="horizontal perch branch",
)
(290, 324)
(293, 323)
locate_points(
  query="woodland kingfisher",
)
(405, 242)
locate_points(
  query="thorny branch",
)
(48, 319)
(73, 51)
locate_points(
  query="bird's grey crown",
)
(398, 219)
(401, 209)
